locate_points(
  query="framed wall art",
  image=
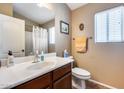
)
(64, 27)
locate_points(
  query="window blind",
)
(101, 27)
(115, 29)
(109, 25)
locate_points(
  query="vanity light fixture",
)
(42, 5)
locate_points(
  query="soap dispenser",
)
(65, 53)
(10, 60)
(42, 56)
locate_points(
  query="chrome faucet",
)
(36, 57)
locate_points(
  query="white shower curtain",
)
(40, 39)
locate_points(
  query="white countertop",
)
(18, 74)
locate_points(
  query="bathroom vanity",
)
(59, 78)
(54, 73)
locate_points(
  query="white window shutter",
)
(123, 23)
(109, 25)
(101, 27)
(115, 25)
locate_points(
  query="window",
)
(109, 25)
(52, 35)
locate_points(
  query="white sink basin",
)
(41, 65)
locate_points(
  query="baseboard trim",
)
(102, 84)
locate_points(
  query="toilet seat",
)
(81, 73)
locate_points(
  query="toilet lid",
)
(80, 71)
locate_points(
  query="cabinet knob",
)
(23, 50)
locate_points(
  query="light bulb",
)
(46, 5)
(41, 4)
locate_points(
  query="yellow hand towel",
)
(81, 44)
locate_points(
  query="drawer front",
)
(37, 83)
(58, 73)
(64, 83)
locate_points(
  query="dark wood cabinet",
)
(58, 73)
(37, 83)
(63, 83)
(60, 78)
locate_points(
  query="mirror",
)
(39, 30)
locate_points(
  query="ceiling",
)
(33, 12)
(74, 6)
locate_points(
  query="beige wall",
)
(63, 41)
(105, 61)
(28, 22)
(49, 24)
(6, 9)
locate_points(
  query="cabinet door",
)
(64, 83)
(60, 72)
(38, 83)
(12, 35)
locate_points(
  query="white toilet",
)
(78, 77)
